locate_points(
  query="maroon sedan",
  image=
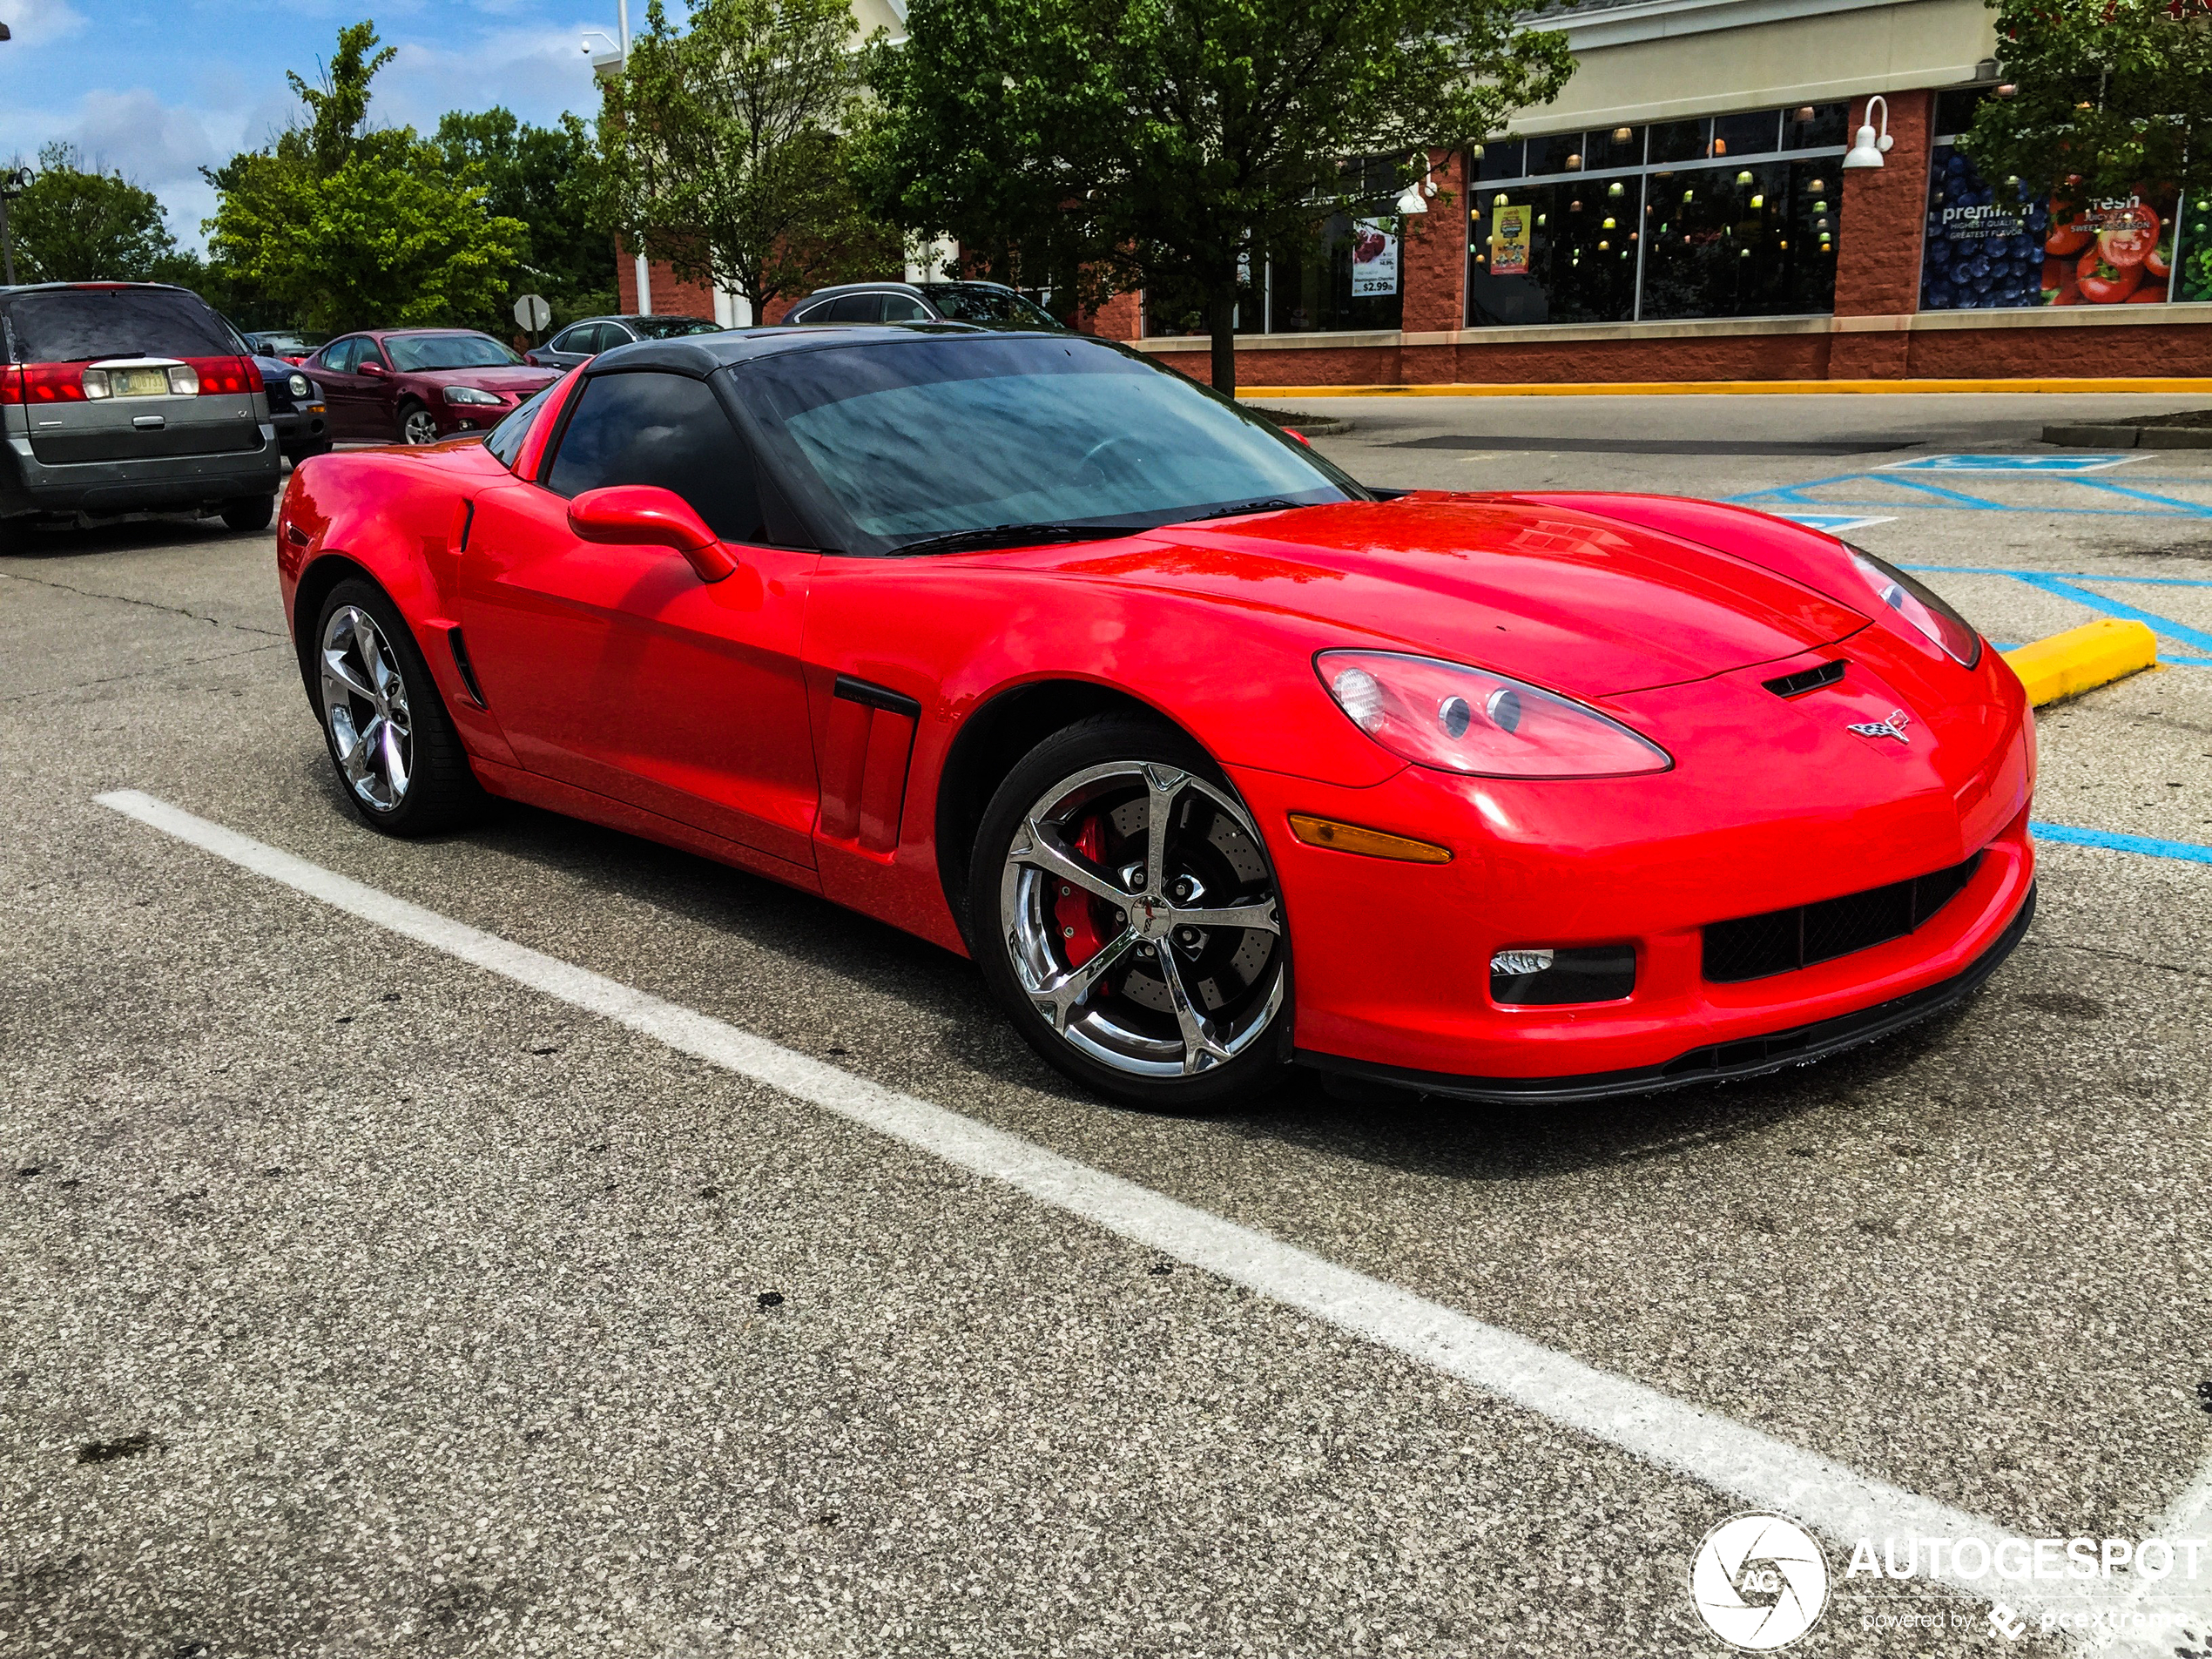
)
(421, 385)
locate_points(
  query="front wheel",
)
(417, 424)
(1123, 910)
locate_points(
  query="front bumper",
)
(152, 484)
(1717, 1063)
(1765, 810)
(295, 427)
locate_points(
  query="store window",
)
(1348, 277)
(1993, 248)
(1724, 216)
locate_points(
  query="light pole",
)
(7, 185)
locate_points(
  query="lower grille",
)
(1783, 941)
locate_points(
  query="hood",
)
(1560, 597)
(518, 379)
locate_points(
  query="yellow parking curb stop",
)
(2080, 658)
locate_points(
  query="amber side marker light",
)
(1375, 844)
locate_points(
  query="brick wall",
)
(1433, 260)
(1878, 254)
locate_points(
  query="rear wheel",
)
(1123, 910)
(399, 759)
(417, 424)
(249, 512)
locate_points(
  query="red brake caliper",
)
(1072, 907)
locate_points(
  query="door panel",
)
(616, 670)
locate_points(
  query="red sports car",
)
(1212, 760)
(421, 385)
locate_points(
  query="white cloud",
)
(36, 23)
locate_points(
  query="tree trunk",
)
(1223, 309)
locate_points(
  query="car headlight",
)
(470, 394)
(1463, 720)
(1921, 606)
(299, 385)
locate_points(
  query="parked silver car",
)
(580, 341)
(991, 305)
(122, 397)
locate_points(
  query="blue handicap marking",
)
(1834, 523)
(2069, 464)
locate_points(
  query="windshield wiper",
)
(1016, 536)
(1272, 504)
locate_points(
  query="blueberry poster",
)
(1981, 254)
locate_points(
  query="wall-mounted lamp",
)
(1869, 150)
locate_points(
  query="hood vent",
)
(1806, 679)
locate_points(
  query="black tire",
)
(15, 537)
(1114, 1039)
(250, 512)
(441, 792)
(299, 452)
(409, 408)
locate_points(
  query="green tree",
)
(723, 150)
(76, 224)
(349, 227)
(1135, 140)
(2106, 95)
(546, 178)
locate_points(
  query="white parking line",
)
(1731, 1457)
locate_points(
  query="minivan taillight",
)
(228, 374)
(43, 383)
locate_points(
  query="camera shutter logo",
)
(1758, 1582)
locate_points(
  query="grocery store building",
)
(1682, 213)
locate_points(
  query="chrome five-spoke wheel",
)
(365, 705)
(1140, 917)
(419, 426)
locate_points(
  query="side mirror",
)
(647, 516)
(372, 368)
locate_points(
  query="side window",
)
(853, 307)
(506, 439)
(607, 335)
(897, 307)
(341, 357)
(366, 351)
(569, 339)
(665, 429)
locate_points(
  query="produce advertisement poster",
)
(1988, 250)
(1374, 257)
(1509, 228)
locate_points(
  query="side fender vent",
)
(467, 669)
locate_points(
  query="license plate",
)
(137, 382)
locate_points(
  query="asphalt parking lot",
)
(364, 1290)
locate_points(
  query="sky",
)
(157, 88)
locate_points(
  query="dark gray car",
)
(988, 304)
(128, 397)
(580, 341)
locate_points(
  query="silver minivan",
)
(124, 397)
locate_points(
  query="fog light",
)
(1530, 977)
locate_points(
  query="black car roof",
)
(702, 354)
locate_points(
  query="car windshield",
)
(978, 302)
(85, 325)
(669, 328)
(911, 441)
(422, 354)
(290, 345)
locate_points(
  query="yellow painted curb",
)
(2094, 654)
(1730, 389)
